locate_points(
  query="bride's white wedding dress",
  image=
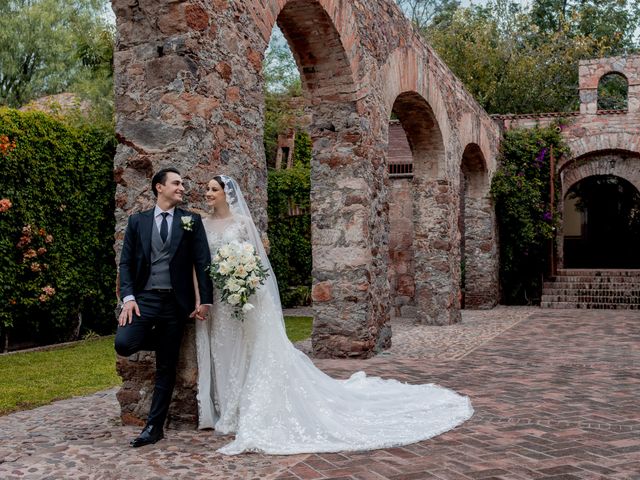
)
(253, 382)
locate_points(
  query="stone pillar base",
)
(138, 373)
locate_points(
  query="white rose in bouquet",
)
(232, 285)
(241, 271)
(224, 268)
(233, 299)
(247, 307)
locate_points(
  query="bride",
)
(253, 382)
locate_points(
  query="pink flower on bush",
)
(48, 239)
(42, 251)
(5, 204)
(31, 253)
(36, 267)
(49, 292)
(23, 241)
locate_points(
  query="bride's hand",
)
(203, 310)
(200, 312)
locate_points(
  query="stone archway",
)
(602, 224)
(620, 164)
(189, 93)
(429, 252)
(478, 233)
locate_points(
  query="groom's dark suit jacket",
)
(188, 249)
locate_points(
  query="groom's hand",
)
(126, 315)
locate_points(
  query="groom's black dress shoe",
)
(150, 434)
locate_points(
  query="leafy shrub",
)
(290, 235)
(57, 264)
(521, 190)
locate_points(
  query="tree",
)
(282, 89)
(281, 74)
(610, 21)
(423, 13)
(514, 60)
(52, 46)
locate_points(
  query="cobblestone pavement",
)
(555, 394)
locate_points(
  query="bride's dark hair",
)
(218, 179)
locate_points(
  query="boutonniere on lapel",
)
(187, 223)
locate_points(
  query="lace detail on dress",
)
(224, 347)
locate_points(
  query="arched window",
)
(612, 92)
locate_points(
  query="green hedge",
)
(57, 263)
(526, 223)
(290, 236)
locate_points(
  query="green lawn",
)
(298, 328)
(31, 379)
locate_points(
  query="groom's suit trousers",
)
(159, 327)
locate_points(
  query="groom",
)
(163, 247)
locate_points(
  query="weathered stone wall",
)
(189, 89)
(189, 93)
(137, 374)
(401, 266)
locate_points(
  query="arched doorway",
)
(479, 278)
(601, 223)
(426, 241)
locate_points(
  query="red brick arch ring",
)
(315, 60)
(410, 88)
(574, 169)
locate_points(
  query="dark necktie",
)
(164, 227)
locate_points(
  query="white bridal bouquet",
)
(237, 271)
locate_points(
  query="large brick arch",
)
(620, 163)
(581, 146)
(407, 70)
(266, 14)
(328, 52)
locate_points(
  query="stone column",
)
(481, 254)
(349, 232)
(436, 252)
(188, 94)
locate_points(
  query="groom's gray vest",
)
(160, 276)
